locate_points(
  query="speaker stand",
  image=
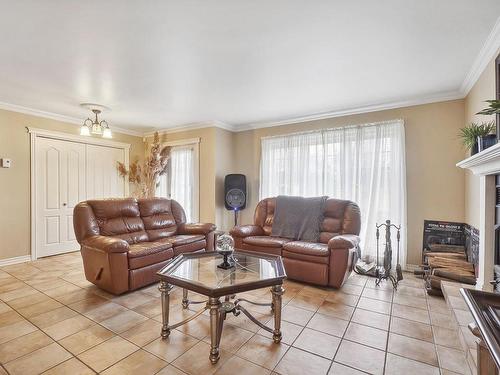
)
(235, 217)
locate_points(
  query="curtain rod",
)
(336, 128)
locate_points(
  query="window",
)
(365, 164)
(181, 180)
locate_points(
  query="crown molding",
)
(488, 51)
(441, 97)
(58, 117)
(192, 126)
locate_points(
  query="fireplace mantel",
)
(485, 164)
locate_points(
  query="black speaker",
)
(235, 192)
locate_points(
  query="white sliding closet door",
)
(60, 176)
(103, 179)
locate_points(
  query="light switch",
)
(5, 163)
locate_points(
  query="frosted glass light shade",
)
(107, 133)
(84, 130)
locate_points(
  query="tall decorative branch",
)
(145, 176)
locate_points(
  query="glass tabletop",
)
(202, 269)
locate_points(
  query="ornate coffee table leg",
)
(185, 301)
(165, 289)
(215, 328)
(277, 292)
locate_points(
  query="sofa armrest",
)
(108, 244)
(344, 241)
(246, 231)
(196, 228)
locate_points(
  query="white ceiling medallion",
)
(95, 126)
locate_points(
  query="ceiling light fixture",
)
(94, 126)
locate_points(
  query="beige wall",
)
(435, 186)
(15, 181)
(225, 164)
(484, 89)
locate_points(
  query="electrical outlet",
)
(5, 163)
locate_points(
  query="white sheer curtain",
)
(179, 181)
(365, 164)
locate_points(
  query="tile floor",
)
(53, 321)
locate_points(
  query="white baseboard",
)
(15, 260)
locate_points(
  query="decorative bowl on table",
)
(225, 247)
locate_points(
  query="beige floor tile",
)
(107, 353)
(74, 296)
(170, 370)
(298, 362)
(453, 360)
(337, 296)
(317, 343)
(28, 300)
(411, 313)
(361, 357)
(365, 335)
(339, 369)
(4, 307)
(446, 337)
(443, 320)
(411, 328)
(105, 311)
(18, 293)
(143, 333)
(263, 351)
(39, 308)
(15, 330)
(408, 347)
(336, 310)
(72, 366)
(374, 305)
(240, 366)
(150, 309)
(352, 289)
(52, 317)
(10, 317)
(172, 347)
(23, 345)
(135, 299)
(289, 332)
(86, 339)
(232, 338)
(382, 295)
(411, 291)
(68, 327)
(140, 362)
(396, 365)
(123, 321)
(372, 319)
(200, 327)
(412, 301)
(56, 293)
(87, 304)
(38, 361)
(196, 361)
(296, 315)
(306, 302)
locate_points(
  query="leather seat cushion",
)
(265, 241)
(147, 253)
(147, 248)
(307, 252)
(183, 239)
(190, 247)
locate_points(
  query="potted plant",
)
(473, 133)
(493, 108)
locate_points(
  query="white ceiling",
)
(161, 64)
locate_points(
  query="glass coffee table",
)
(198, 272)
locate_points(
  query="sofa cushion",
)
(146, 253)
(307, 248)
(266, 241)
(159, 221)
(190, 247)
(183, 239)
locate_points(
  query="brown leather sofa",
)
(328, 262)
(124, 242)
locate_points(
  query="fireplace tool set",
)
(384, 272)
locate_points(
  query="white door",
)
(103, 179)
(60, 185)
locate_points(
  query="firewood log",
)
(447, 248)
(464, 279)
(446, 255)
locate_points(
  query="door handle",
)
(64, 204)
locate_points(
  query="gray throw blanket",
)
(298, 218)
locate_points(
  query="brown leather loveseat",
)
(328, 262)
(124, 242)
